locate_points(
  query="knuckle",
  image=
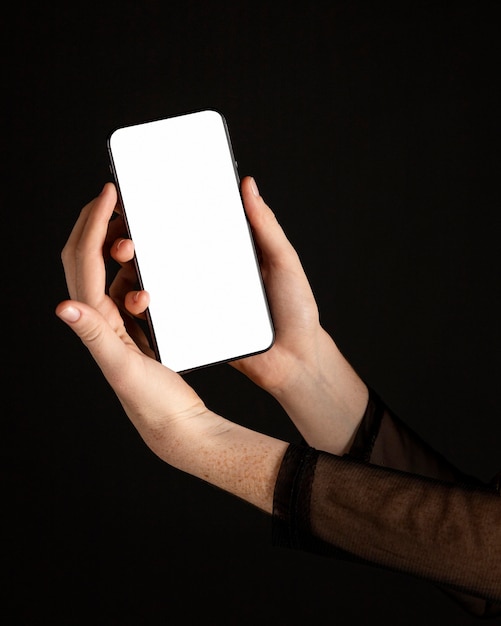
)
(92, 334)
(65, 255)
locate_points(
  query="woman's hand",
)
(152, 395)
(171, 418)
(304, 370)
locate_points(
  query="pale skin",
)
(304, 370)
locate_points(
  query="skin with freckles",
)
(303, 370)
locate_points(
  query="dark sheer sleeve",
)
(384, 439)
(394, 502)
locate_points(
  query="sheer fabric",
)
(396, 503)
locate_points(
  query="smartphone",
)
(179, 188)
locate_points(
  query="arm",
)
(385, 440)
(379, 439)
(170, 417)
(444, 532)
(395, 502)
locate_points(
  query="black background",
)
(372, 130)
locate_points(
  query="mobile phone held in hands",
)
(179, 189)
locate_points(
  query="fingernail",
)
(254, 188)
(69, 314)
(136, 296)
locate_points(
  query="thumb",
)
(267, 232)
(96, 334)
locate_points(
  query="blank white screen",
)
(194, 250)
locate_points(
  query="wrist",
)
(324, 397)
(231, 457)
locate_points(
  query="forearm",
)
(324, 397)
(231, 457)
(443, 532)
(384, 440)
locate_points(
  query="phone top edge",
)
(167, 117)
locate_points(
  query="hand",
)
(304, 370)
(294, 310)
(152, 395)
(172, 419)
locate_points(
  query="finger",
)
(124, 281)
(89, 272)
(116, 230)
(79, 226)
(136, 302)
(122, 250)
(69, 252)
